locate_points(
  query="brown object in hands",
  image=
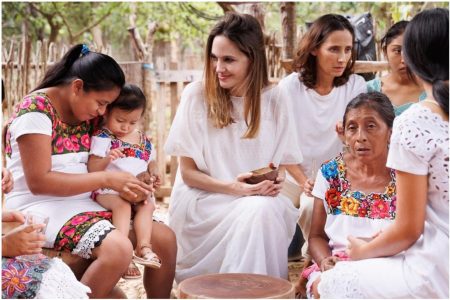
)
(267, 173)
(236, 285)
(141, 196)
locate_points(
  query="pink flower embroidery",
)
(14, 280)
(79, 219)
(68, 144)
(70, 232)
(86, 141)
(76, 239)
(26, 103)
(63, 242)
(379, 210)
(75, 144)
(59, 145)
(40, 102)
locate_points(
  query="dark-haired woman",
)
(47, 145)
(355, 191)
(226, 126)
(319, 91)
(409, 259)
(399, 84)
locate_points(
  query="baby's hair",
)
(131, 98)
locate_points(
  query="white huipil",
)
(419, 145)
(219, 233)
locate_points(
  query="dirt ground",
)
(134, 289)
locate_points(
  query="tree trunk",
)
(97, 35)
(288, 26)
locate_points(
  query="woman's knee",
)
(115, 245)
(163, 238)
(258, 205)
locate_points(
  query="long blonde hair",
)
(245, 32)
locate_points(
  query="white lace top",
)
(419, 145)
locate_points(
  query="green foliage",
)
(186, 22)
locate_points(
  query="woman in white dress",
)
(410, 258)
(47, 145)
(318, 91)
(226, 126)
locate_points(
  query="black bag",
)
(364, 40)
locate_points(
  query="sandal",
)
(132, 272)
(148, 258)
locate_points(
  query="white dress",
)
(70, 148)
(220, 233)
(315, 117)
(419, 145)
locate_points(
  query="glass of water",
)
(31, 218)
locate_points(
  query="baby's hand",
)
(115, 154)
(7, 181)
(156, 181)
(308, 187)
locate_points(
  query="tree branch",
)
(89, 27)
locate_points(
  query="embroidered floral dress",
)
(44, 278)
(419, 145)
(349, 212)
(137, 156)
(70, 146)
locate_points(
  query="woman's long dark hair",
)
(425, 46)
(394, 31)
(98, 71)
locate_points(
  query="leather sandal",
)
(148, 258)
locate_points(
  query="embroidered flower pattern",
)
(141, 150)
(341, 200)
(65, 138)
(22, 280)
(72, 231)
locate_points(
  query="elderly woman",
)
(410, 258)
(354, 192)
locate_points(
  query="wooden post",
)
(161, 129)
(288, 26)
(173, 109)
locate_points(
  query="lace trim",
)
(341, 282)
(59, 282)
(92, 238)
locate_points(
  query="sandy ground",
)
(134, 288)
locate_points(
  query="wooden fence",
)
(23, 66)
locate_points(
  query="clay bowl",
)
(259, 175)
(145, 177)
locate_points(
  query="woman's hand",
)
(264, 188)
(128, 186)
(355, 248)
(13, 216)
(308, 187)
(23, 239)
(328, 263)
(7, 181)
(339, 128)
